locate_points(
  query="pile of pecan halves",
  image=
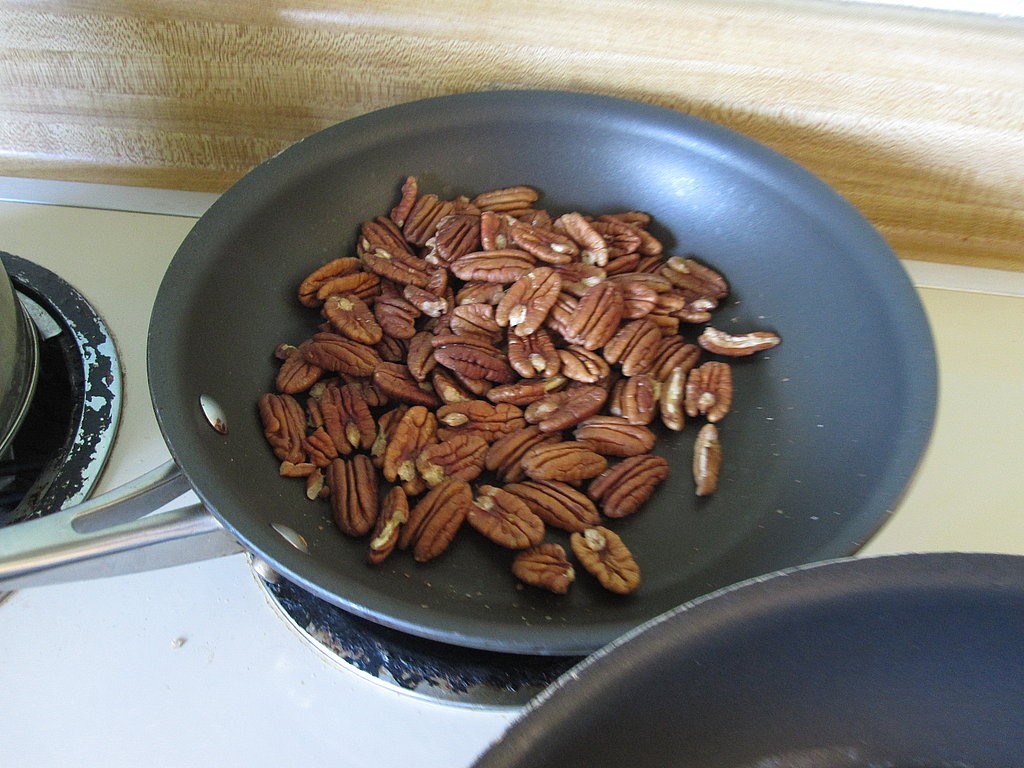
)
(479, 361)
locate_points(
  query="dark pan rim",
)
(864, 586)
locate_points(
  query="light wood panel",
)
(917, 117)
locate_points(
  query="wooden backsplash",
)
(916, 117)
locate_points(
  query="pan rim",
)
(874, 580)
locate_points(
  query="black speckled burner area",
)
(427, 668)
(63, 443)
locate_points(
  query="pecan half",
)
(364, 387)
(447, 388)
(494, 234)
(615, 436)
(347, 418)
(303, 469)
(650, 264)
(296, 373)
(621, 239)
(593, 248)
(396, 316)
(390, 349)
(525, 392)
(567, 460)
(383, 250)
(475, 319)
(421, 223)
(650, 281)
(638, 220)
(596, 317)
(284, 426)
(674, 352)
(459, 457)
(561, 312)
(457, 234)
(709, 391)
(316, 485)
(603, 554)
(429, 303)
(392, 515)
(473, 358)
(350, 316)
(577, 278)
(420, 356)
(544, 244)
(365, 285)
(623, 489)
(333, 269)
(626, 262)
(697, 280)
(319, 447)
(476, 387)
(668, 302)
(501, 266)
(334, 352)
(415, 431)
(634, 347)
(737, 345)
(386, 425)
(410, 189)
(534, 355)
(510, 200)
(668, 325)
(707, 460)
(397, 382)
(566, 408)
(525, 305)
(504, 519)
(479, 417)
(672, 399)
(582, 365)
(480, 293)
(504, 456)
(353, 484)
(558, 504)
(545, 566)
(696, 311)
(639, 298)
(435, 520)
(635, 399)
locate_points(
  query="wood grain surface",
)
(917, 117)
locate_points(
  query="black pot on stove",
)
(19, 353)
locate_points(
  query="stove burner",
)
(427, 668)
(62, 445)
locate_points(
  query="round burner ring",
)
(72, 336)
(411, 665)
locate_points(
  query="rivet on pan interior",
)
(214, 414)
(292, 537)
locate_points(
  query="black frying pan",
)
(910, 661)
(826, 429)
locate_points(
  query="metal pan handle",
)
(121, 531)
